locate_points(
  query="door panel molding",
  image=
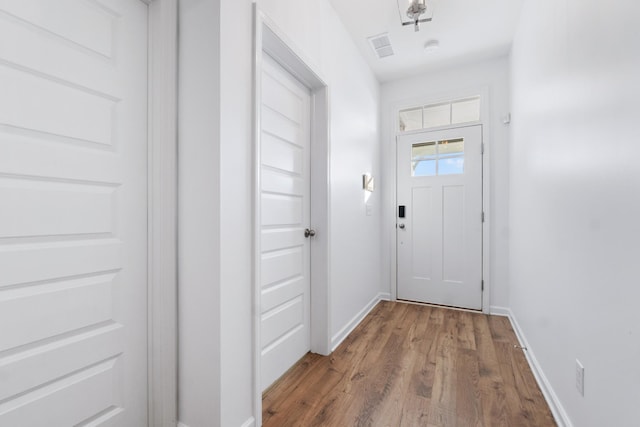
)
(285, 248)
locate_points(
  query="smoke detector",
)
(431, 45)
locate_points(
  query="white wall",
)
(464, 80)
(216, 36)
(575, 202)
(215, 278)
(199, 213)
(236, 277)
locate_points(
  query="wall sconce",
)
(367, 182)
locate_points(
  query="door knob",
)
(401, 226)
(309, 232)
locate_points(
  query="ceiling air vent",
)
(381, 45)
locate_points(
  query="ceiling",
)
(467, 31)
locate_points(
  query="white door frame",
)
(485, 121)
(162, 285)
(269, 39)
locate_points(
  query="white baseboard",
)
(499, 311)
(251, 422)
(558, 411)
(337, 339)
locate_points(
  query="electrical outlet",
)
(580, 377)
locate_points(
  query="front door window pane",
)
(433, 158)
(467, 110)
(451, 157)
(437, 115)
(423, 159)
(410, 120)
(441, 114)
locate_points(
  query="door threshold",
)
(450, 307)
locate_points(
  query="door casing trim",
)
(270, 39)
(485, 121)
(162, 193)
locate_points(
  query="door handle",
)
(401, 226)
(309, 232)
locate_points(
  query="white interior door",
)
(285, 251)
(73, 213)
(439, 179)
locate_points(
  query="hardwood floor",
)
(413, 365)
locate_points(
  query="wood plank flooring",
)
(413, 365)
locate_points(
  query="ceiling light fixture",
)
(416, 9)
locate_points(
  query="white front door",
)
(439, 217)
(73, 213)
(285, 214)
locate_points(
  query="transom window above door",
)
(459, 111)
(434, 158)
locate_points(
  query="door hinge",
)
(482, 148)
(482, 285)
(482, 216)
